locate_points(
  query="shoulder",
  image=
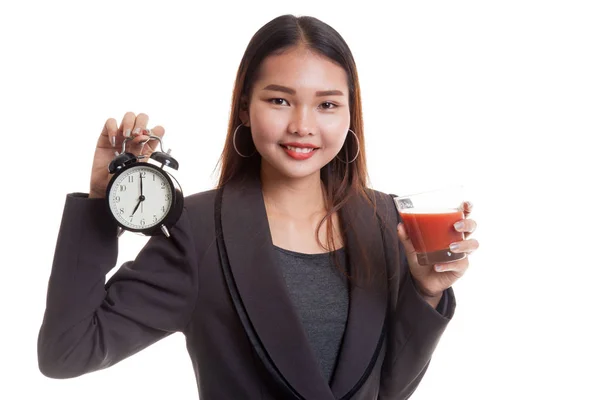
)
(379, 195)
(200, 203)
(200, 199)
(382, 202)
(383, 206)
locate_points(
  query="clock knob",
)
(121, 161)
(165, 159)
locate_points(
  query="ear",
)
(244, 111)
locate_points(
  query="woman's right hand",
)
(111, 140)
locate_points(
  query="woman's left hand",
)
(430, 280)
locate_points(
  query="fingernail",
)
(453, 247)
(145, 132)
(439, 268)
(113, 141)
(128, 133)
(459, 225)
(136, 131)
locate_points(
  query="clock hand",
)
(136, 207)
(142, 191)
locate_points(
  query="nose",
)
(303, 122)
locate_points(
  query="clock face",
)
(140, 197)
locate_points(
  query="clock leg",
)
(120, 231)
(165, 231)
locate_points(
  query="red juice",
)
(431, 233)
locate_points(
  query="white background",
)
(501, 96)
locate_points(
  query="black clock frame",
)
(176, 203)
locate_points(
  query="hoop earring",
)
(235, 147)
(357, 149)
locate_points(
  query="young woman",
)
(292, 279)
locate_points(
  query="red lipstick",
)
(301, 145)
(290, 149)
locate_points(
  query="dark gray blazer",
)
(177, 285)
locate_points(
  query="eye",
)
(278, 101)
(328, 106)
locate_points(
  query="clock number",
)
(118, 199)
(143, 174)
(142, 222)
(130, 179)
(153, 177)
(163, 208)
(163, 185)
(122, 188)
(154, 218)
(121, 211)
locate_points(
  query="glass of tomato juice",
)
(429, 219)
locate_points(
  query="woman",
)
(292, 279)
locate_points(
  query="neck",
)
(296, 198)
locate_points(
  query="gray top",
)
(319, 292)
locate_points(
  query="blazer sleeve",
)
(415, 329)
(413, 337)
(90, 324)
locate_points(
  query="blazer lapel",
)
(368, 302)
(260, 283)
(262, 289)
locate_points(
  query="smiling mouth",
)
(300, 150)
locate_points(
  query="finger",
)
(459, 266)
(158, 131)
(127, 124)
(403, 236)
(147, 141)
(140, 124)
(466, 226)
(464, 246)
(467, 207)
(133, 125)
(108, 134)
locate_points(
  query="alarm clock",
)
(142, 196)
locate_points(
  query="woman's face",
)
(298, 113)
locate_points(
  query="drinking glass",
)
(429, 219)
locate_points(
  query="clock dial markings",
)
(149, 200)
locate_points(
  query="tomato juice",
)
(431, 232)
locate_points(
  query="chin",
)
(291, 169)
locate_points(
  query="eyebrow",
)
(284, 89)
